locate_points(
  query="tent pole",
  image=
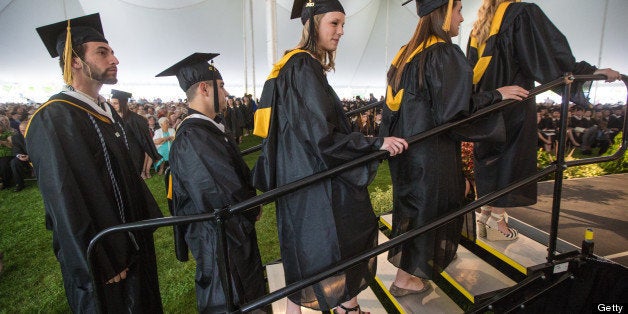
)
(599, 59)
(246, 55)
(387, 38)
(271, 31)
(252, 46)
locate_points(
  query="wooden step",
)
(434, 302)
(469, 274)
(276, 280)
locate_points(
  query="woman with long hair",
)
(306, 132)
(516, 43)
(429, 84)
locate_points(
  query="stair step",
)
(436, 301)
(276, 280)
(469, 274)
(520, 254)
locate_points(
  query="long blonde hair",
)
(482, 26)
(326, 58)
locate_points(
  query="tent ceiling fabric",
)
(149, 35)
(163, 4)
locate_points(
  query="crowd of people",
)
(588, 126)
(162, 119)
(78, 138)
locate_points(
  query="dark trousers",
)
(5, 170)
(18, 169)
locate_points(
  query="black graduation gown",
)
(75, 180)
(528, 48)
(209, 173)
(332, 220)
(140, 140)
(428, 180)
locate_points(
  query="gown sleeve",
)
(450, 74)
(190, 165)
(544, 53)
(324, 132)
(139, 128)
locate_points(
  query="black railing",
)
(222, 214)
(347, 114)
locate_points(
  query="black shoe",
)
(18, 188)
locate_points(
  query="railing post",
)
(222, 215)
(560, 168)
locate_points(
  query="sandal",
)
(492, 229)
(351, 309)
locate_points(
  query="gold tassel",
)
(67, 57)
(447, 22)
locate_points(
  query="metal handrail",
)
(364, 108)
(264, 198)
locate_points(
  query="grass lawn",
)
(31, 281)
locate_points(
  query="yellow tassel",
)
(67, 57)
(447, 22)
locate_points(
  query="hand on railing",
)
(611, 75)
(513, 92)
(394, 145)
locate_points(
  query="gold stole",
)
(262, 115)
(96, 115)
(484, 61)
(394, 101)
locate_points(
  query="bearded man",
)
(87, 179)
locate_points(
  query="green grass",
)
(31, 281)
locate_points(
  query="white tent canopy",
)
(150, 35)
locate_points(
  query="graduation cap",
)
(309, 8)
(194, 69)
(425, 7)
(60, 37)
(120, 95)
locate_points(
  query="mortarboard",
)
(425, 7)
(308, 8)
(120, 95)
(193, 69)
(59, 41)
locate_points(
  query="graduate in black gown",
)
(141, 143)
(209, 173)
(516, 44)
(87, 180)
(331, 220)
(429, 84)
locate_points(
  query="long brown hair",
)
(429, 25)
(326, 58)
(482, 26)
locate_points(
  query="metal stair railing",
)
(224, 213)
(347, 114)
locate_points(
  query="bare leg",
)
(292, 308)
(407, 281)
(148, 162)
